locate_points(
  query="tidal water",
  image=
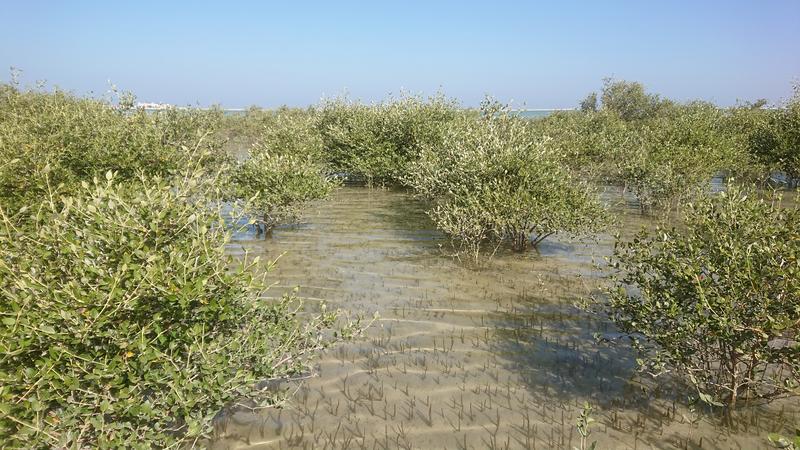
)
(495, 356)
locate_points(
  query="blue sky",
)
(536, 54)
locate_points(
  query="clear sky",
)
(539, 54)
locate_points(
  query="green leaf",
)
(709, 400)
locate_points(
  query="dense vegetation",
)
(773, 137)
(377, 142)
(64, 139)
(659, 151)
(486, 177)
(281, 172)
(490, 180)
(718, 301)
(124, 323)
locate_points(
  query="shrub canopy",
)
(124, 324)
(490, 181)
(76, 139)
(717, 300)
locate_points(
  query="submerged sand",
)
(496, 356)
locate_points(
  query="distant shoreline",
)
(164, 107)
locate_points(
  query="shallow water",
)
(495, 356)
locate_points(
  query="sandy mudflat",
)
(496, 357)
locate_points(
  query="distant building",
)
(154, 106)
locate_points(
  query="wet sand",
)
(496, 356)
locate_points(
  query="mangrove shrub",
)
(489, 181)
(77, 139)
(773, 138)
(673, 157)
(124, 324)
(375, 143)
(716, 301)
(275, 186)
(629, 100)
